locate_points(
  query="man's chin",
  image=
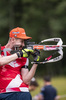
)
(20, 48)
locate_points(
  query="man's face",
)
(19, 43)
(32, 88)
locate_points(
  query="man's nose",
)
(23, 44)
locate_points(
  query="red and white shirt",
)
(10, 75)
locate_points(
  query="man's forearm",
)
(28, 76)
(6, 59)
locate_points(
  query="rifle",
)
(40, 46)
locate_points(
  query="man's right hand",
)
(24, 53)
(36, 56)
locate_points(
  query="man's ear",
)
(13, 39)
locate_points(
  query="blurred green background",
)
(58, 82)
(41, 19)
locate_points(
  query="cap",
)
(18, 33)
(33, 79)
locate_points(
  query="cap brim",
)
(25, 38)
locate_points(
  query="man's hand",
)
(24, 53)
(36, 55)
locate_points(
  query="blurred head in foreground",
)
(33, 84)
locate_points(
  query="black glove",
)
(24, 53)
(36, 56)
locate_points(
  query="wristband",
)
(18, 54)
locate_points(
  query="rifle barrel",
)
(63, 45)
(45, 47)
(56, 45)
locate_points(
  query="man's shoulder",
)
(43, 88)
(49, 86)
(2, 47)
(54, 88)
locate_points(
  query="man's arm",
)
(27, 75)
(57, 97)
(6, 59)
(38, 97)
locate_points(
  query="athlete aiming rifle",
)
(14, 73)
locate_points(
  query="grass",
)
(58, 82)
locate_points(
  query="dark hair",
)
(34, 83)
(47, 78)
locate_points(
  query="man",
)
(14, 73)
(48, 92)
(33, 84)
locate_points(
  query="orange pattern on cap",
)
(18, 33)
